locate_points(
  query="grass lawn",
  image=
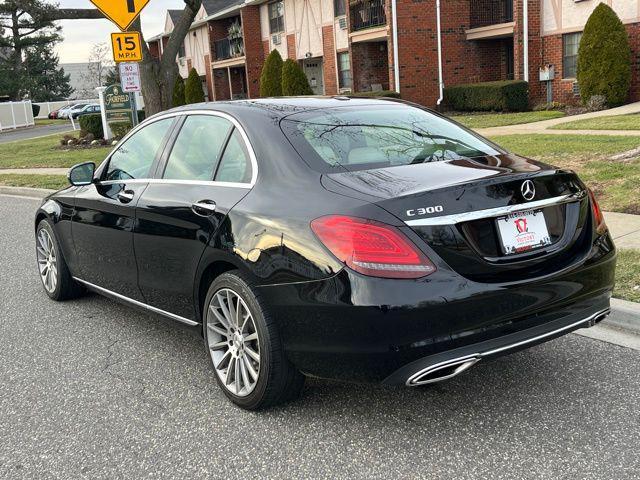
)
(486, 120)
(617, 184)
(617, 122)
(44, 152)
(628, 275)
(47, 121)
(55, 182)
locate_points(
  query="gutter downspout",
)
(525, 42)
(440, 79)
(396, 66)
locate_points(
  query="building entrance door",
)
(313, 70)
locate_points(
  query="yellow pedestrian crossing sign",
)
(121, 12)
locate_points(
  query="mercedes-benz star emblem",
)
(528, 190)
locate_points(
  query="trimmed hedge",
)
(294, 81)
(271, 76)
(381, 93)
(193, 92)
(604, 58)
(178, 92)
(92, 124)
(506, 95)
(120, 129)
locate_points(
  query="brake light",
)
(372, 248)
(598, 216)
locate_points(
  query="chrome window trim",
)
(213, 113)
(106, 291)
(494, 212)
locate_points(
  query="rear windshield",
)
(379, 136)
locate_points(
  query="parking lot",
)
(94, 389)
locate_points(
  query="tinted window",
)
(134, 158)
(197, 148)
(570, 45)
(235, 165)
(380, 136)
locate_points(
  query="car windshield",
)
(379, 136)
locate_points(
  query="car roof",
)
(281, 107)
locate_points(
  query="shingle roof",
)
(175, 15)
(215, 6)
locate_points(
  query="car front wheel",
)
(244, 346)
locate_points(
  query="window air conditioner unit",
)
(343, 23)
(181, 61)
(276, 39)
(576, 89)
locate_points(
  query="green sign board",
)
(118, 104)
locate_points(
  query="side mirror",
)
(81, 174)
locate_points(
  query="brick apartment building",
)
(348, 45)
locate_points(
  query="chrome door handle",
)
(125, 196)
(204, 208)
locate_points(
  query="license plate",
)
(523, 231)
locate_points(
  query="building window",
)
(339, 8)
(570, 44)
(276, 17)
(344, 70)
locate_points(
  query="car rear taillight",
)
(601, 226)
(372, 248)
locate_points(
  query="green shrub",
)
(119, 129)
(381, 93)
(178, 92)
(294, 81)
(193, 92)
(271, 76)
(604, 58)
(506, 95)
(92, 124)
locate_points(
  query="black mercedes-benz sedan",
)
(355, 239)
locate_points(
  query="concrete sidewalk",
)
(542, 127)
(34, 171)
(624, 228)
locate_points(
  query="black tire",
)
(65, 287)
(278, 380)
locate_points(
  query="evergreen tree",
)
(112, 77)
(193, 92)
(45, 80)
(271, 76)
(604, 58)
(178, 92)
(294, 81)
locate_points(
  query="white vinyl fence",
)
(47, 107)
(16, 114)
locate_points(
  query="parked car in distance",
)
(62, 112)
(355, 239)
(86, 110)
(53, 115)
(67, 112)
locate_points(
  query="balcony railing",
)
(367, 14)
(228, 48)
(490, 12)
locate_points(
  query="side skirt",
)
(136, 303)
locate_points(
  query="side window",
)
(197, 148)
(235, 165)
(134, 158)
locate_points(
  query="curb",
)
(624, 315)
(38, 193)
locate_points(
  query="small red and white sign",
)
(130, 77)
(523, 231)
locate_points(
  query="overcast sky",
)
(81, 35)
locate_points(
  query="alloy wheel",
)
(47, 260)
(233, 342)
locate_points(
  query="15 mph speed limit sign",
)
(127, 47)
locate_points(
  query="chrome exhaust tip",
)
(441, 371)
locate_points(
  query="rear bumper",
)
(358, 328)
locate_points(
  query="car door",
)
(209, 169)
(104, 217)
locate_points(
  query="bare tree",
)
(158, 76)
(100, 63)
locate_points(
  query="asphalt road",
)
(35, 132)
(93, 389)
